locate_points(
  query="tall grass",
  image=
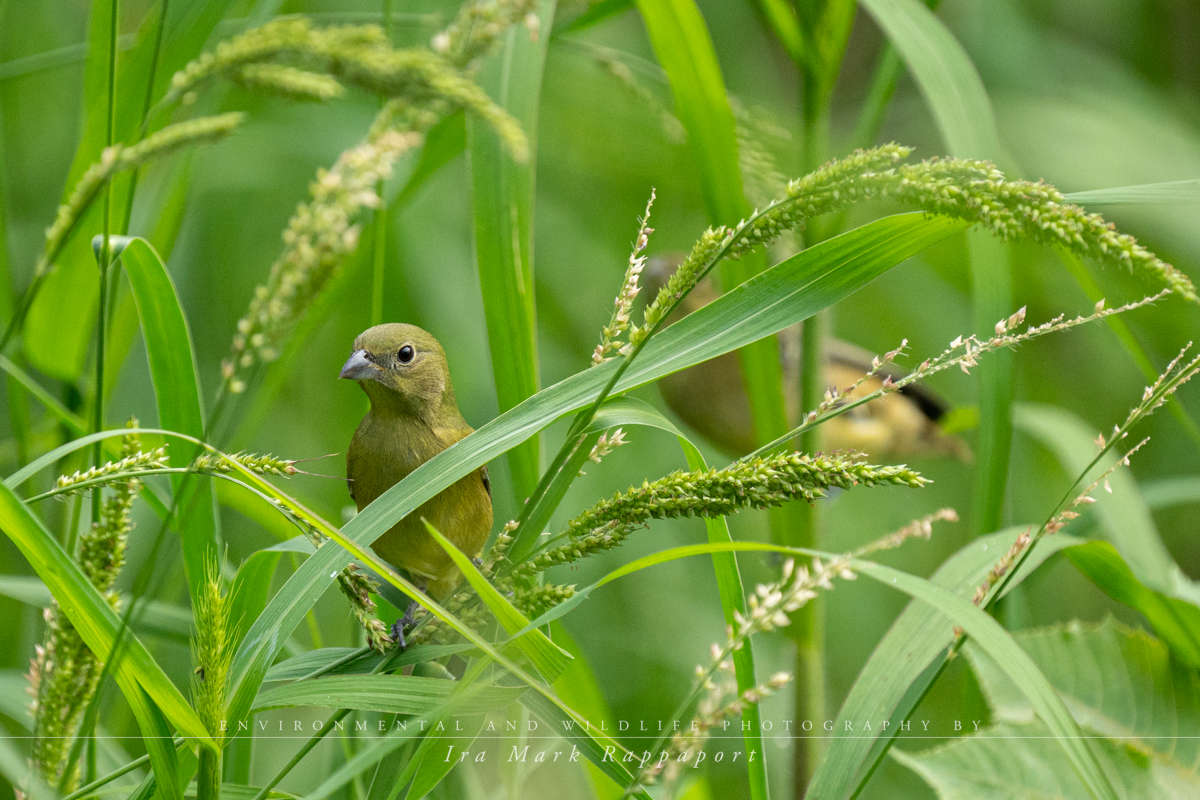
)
(499, 648)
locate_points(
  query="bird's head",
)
(401, 368)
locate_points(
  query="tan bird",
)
(711, 396)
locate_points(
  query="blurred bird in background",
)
(711, 397)
(413, 417)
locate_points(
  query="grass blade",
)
(387, 694)
(1169, 193)
(905, 663)
(502, 202)
(1123, 515)
(1016, 663)
(959, 103)
(96, 621)
(177, 393)
(547, 657)
(628, 411)
(57, 343)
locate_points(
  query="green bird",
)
(413, 417)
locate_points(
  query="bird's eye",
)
(406, 354)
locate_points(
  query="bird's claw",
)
(404, 622)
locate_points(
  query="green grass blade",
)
(387, 694)
(945, 75)
(1169, 193)
(959, 103)
(1016, 663)
(782, 296)
(436, 762)
(156, 617)
(502, 202)
(177, 394)
(685, 50)
(781, 15)
(247, 673)
(95, 620)
(56, 343)
(547, 657)
(906, 661)
(629, 411)
(251, 586)
(579, 688)
(596, 746)
(1176, 621)
(1123, 516)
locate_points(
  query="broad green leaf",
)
(1014, 663)
(1118, 682)
(1123, 515)
(502, 192)
(389, 694)
(1176, 621)
(1007, 761)
(98, 624)
(782, 296)
(1170, 193)
(543, 653)
(907, 659)
(177, 392)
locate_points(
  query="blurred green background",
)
(1088, 94)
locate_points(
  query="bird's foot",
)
(399, 626)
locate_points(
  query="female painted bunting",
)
(413, 417)
(711, 397)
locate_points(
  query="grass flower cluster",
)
(64, 673)
(961, 188)
(112, 471)
(754, 483)
(610, 335)
(357, 54)
(120, 158)
(318, 237)
(212, 653)
(263, 464)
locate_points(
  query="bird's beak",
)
(358, 367)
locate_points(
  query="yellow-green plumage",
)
(413, 417)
